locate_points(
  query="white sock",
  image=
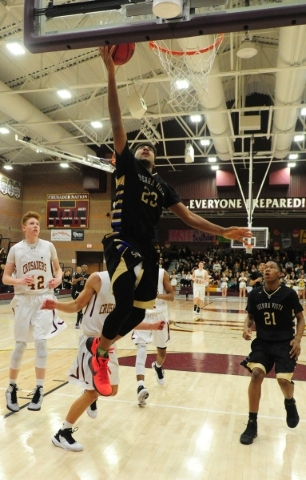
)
(12, 381)
(67, 425)
(40, 382)
(140, 383)
(158, 366)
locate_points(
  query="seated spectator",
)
(216, 267)
(186, 279)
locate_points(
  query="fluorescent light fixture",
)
(205, 142)
(247, 50)
(195, 118)
(291, 164)
(15, 48)
(303, 112)
(215, 167)
(293, 156)
(96, 124)
(64, 94)
(64, 165)
(298, 138)
(212, 159)
(95, 162)
(8, 167)
(4, 130)
(102, 163)
(182, 84)
(189, 153)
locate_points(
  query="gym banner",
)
(189, 236)
(296, 203)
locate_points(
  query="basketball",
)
(122, 53)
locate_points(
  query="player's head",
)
(26, 217)
(273, 270)
(146, 153)
(84, 268)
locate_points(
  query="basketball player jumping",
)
(131, 259)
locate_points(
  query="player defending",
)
(159, 338)
(270, 307)
(28, 269)
(99, 300)
(131, 259)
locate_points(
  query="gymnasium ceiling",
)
(269, 86)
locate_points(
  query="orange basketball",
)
(123, 53)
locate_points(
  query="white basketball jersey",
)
(160, 305)
(199, 275)
(33, 260)
(100, 305)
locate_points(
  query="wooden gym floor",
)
(189, 428)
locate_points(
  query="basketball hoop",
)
(187, 70)
(248, 248)
(249, 244)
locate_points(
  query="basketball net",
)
(249, 244)
(187, 70)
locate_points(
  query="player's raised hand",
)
(237, 233)
(106, 55)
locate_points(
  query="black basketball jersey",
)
(275, 316)
(254, 276)
(140, 198)
(79, 286)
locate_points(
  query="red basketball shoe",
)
(100, 377)
(92, 344)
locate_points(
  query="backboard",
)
(260, 239)
(52, 25)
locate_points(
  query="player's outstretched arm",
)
(199, 223)
(119, 132)
(92, 286)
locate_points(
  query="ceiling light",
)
(215, 167)
(64, 165)
(303, 112)
(15, 48)
(182, 84)
(195, 118)
(212, 159)
(291, 164)
(293, 156)
(298, 138)
(246, 50)
(205, 142)
(4, 130)
(64, 94)
(8, 167)
(189, 153)
(96, 124)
